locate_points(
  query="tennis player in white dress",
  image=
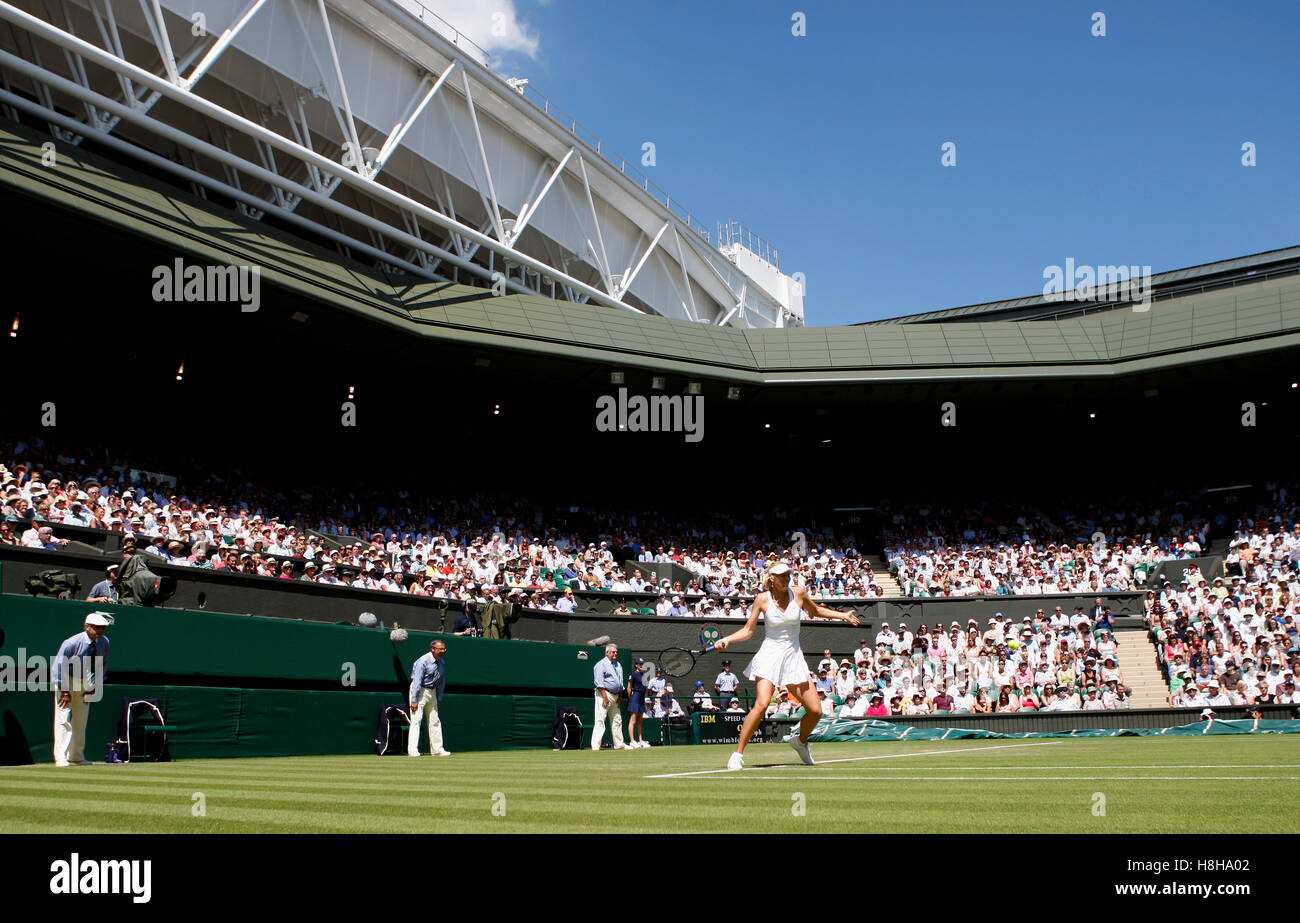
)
(779, 661)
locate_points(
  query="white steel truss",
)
(298, 109)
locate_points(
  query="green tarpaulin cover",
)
(845, 729)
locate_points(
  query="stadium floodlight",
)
(657, 382)
(617, 378)
(694, 387)
(733, 393)
(1294, 384)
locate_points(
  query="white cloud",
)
(493, 25)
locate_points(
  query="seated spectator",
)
(106, 590)
(703, 701)
(1062, 701)
(1093, 701)
(1029, 700)
(42, 537)
(668, 707)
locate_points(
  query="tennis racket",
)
(677, 661)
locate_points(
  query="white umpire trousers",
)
(70, 729)
(426, 706)
(611, 713)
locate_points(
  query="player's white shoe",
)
(645, 744)
(736, 761)
(802, 749)
(442, 753)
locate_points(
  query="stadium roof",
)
(1197, 326)
(1164, 285)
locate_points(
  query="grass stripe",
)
(1170, 785)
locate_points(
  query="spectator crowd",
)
(479, 548)
(1054, 661)
(1234, 639)
(938, 552)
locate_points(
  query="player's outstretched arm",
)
(810, 606)
(747, 631)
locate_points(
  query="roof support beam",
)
(528, 209)
(344, 131)
(108, 31)
(495, 210)
(42, 92)
(629, 275)
(686, 279)
(236, 165)
(600, 256)
(221, 44)
(404, 124)
(359, 161)
(107, 23)
(199, 179)
(158, 29)
(209, 109)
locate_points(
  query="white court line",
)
(854, 759)
(783, 777)
(1094, 767)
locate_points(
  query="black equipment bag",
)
(134, 742)
(568, 729)
(388, 737)
(63, 584)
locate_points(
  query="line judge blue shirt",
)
(609, 676)
(77, 647)
(428, 673)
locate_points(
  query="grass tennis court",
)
(1158, 785)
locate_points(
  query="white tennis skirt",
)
(779, 664)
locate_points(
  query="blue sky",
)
(1123, 149)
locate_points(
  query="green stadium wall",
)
(250, 686)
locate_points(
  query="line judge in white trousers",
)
(609, 686)
(428, 680)
(78, 677)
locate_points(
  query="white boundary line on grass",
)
(1035, 778)
(854, 759)
(1094, 767)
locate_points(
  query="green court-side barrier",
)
(858, 729)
